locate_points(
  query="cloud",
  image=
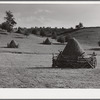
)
(17, 14)
(2, 17)
(37, 18)
(42, 20)
(42, 11)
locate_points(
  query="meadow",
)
(30, 65)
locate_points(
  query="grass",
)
(89, 36)
(29, 66)
(49, 78)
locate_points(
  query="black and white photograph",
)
(50, 45)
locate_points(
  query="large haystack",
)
(12, 44)
(73, 49)
(73, 56)
(47, 41)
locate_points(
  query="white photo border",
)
(44, 93)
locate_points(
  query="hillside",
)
(88, 36)
(29, 66)
(30, 44)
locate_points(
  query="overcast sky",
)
(53, 15)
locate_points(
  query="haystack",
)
(47, 41)
(12, 44)
(73, 49)
(73, 56)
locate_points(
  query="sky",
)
(52, 15)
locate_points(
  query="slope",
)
(89, 36)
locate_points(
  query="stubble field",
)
(29, 66)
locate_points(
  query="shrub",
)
(6, 26)
(26, 33)
(67, 38)
(34, 31)
(42, 33)
(99, 43)
(54, 35)
(19, 30)
(61, 39)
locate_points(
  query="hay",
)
(47, 41)
(73, 49)
(12, 44)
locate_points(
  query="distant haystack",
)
(12, 44)
(47, 41)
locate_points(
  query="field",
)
(29, 66)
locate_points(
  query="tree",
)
(79, 26)
(9, 21)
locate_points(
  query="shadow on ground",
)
(7, 47)
(96, 49)
(3, 47)
(53, 44)
(58, 43)
(19, 37)
(54, 68)
(45, 44)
